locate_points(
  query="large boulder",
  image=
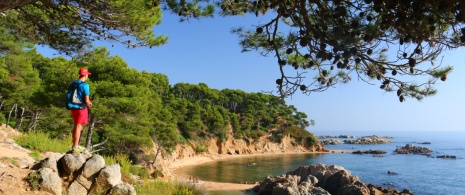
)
(77, 188)
(71, 162)
(122, 189)
(51, 181)
(90, 171)
(47, 163)
(314, 179)
(82, 174)
(109, 177)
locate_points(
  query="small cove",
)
(418, 173)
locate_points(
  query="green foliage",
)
(2, 118)
(34, 180)
(157, 173)
(140, 171)
(71, 26)
(122, 160)
(174, 188)
(14, 161)
(301, 135)
(134, 109)
(384, 40)
(311, 140)
(42, 142)
(35, 155)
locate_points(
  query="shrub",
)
(140, 171)
(174, 188)
(35, 155)
(42, 142)
(14, 161)
(123, 161)
(34, 180)
(157, 173)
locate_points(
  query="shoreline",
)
(220, 186)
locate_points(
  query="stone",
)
(90, 171)
(107, 178)
(72, 162)
(122, 189)
(77, 188)
(51, 181)
(317, 179)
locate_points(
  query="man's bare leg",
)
(76, 134)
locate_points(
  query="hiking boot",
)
(79, 149)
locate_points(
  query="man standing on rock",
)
(79, 106)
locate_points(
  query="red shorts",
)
(80, 116)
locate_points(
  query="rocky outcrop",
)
(374, 139)
(233, 146)
(320, 179)
(331, 142)
(411, 149)
(447, 156)
(369, 152)
(335, 136)
(10, 148)
(80, 174)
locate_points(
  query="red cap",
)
(84, 71)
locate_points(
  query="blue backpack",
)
(72, 97)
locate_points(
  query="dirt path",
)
(12, 158)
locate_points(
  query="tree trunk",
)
(158, 151)
(90, 132)
(35, 120)
(29, 124)
(9, 115)
(19, 120)
(12, 4)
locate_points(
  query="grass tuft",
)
(42, 142)
(174, 188)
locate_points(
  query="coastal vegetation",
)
(326, 42)
(133, 109)
(383, 42)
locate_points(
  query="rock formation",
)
(410, 148)
(369, 152)
(374, 139)
(80, 174)
(331, 142)
(233, 146)
(320, 179)
(335, 136)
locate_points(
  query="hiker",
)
(80, 111)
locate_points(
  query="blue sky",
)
(204, 51)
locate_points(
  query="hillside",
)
(14, 165)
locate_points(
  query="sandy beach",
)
(217, 186)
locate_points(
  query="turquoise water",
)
(422, 175)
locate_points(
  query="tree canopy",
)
(393, 43)
(133, 109)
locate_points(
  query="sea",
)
(421, 174)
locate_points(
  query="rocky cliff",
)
(233, 146)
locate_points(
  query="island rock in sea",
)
(331, 142)
(411, 149)
(320, 179)
(374, 139)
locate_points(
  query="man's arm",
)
(87, 100)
